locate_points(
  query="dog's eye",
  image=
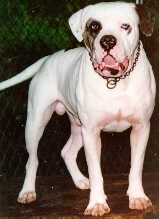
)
(94, 28)
(125, 26)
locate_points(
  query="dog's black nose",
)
(107, 42)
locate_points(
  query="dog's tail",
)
(24, 75)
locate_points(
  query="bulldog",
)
(107, 86)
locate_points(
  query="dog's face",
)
(111, 34)
(111, 37)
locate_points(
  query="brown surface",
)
(57, 197)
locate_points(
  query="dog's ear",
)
(147, 19)
(77, 22)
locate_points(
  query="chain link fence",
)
(31, 29)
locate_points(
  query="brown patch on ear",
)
(88, 39)
(147, 19)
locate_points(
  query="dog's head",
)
(111, 33)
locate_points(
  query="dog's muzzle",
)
(110, 66)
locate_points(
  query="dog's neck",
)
(111, 82)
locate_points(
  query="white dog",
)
(109, 86)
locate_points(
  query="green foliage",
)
(24, 25)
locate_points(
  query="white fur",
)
(66, 81)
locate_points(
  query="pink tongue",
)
(109, 61)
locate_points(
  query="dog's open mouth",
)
(110, 67)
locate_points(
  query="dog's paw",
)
(26, 197)
(139, 203)
(83, 183)
(97, 210)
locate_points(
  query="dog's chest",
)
(118, 118)
(115, 113)
(118, 121)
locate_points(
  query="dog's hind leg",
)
(69, 154)
(40, 109)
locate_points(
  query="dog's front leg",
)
(92, 144)
(139, 137)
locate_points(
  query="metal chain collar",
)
(112, 81)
